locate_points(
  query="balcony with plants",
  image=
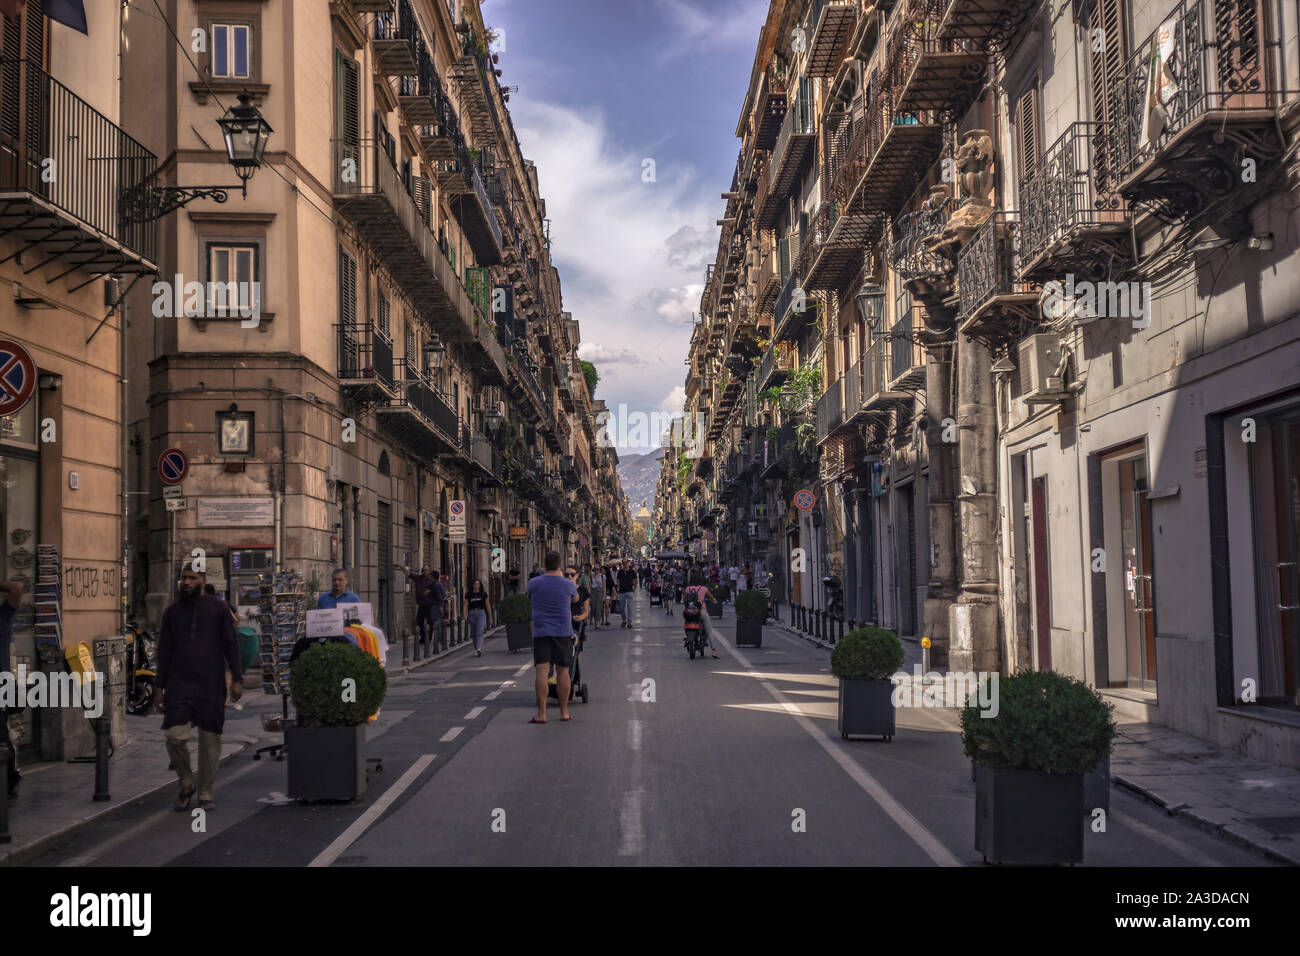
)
(771, 103)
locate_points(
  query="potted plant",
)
(336, 688)
(516, 612)
(751, 612)
(1030, 755)
(713, 604)
(864, 660)
(723, 592)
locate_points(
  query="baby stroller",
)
(576, 687)
(656, 592)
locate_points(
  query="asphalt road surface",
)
(673, 761)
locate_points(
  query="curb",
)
(1227, 830)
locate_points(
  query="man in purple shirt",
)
(552, 596)
(429, 597)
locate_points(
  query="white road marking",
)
(363, 823)
(524, 670)
(637, 667)
(636, 651)
(450, 735)
(636, 638)
(629, 820)
(913, 827)
(474, 713)
(494, 695)
(634, 735)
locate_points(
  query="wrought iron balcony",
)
(770, 108)
(471, 71)
(369, 192)
(420, 415)
(769, 281)
(397, 41)
(995, 302)
(775, 368)
(419, 93)
(795, 311)
(888, 152)
(830, 410)
(912, 252)
(1072, 217)
(927, 69)
(834, 252)
(1216, 100)
(880, 391)
(988, 24)
(829, 26)
(91, 214)
(365, 363)
(906, 356)
(794, 148)
(477, 217)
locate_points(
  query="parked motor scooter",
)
(140, 676)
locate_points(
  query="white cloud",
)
(696, 29)
(675, 400)
(612, 240)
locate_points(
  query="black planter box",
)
(326, 763)
(1027, 816)
(749, 633)
(866, 708)
(714, 608)
(519, 635)
(1096, 788)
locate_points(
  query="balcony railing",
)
(97, 205)
(397, 41)
(421, 414)
(910, 253)
(830, 409)
(1073, 193)
(906, 355)
(853, 391)
(479, 219)
(928, 70)
(830, 24)
(989, 266)
(794, 146)
(365, 356)
(769, 111)
(1217, 64)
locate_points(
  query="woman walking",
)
(596, 581)
(478, 610)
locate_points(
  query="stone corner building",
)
(1032, 342)
(411, 349)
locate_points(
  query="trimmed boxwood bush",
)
(722, 592)
(868, 653)
(1045, 721)
(318, 685)
(751, 605)
(515, 608)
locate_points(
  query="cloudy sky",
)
(604, 87)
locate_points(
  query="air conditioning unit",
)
(1040, 361)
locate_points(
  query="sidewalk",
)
(55, 798)
(1253, 803)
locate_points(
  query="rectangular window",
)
(232, 272)
(1027, 126)
(385, 319)
(410, 348)
(231, 50)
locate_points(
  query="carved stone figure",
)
(975, 171)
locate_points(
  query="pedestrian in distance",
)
(196, 644)
(535, 572)
(627, 579)
(597, 579)
(552, 596)
(513, 578)
(430, 595)
(478, 611)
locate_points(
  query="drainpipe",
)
(279, 493)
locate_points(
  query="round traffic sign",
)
(457, 507)
(804, 500)
(17, 376)
(172, 465)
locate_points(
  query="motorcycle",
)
(693, 621)
(140, 674)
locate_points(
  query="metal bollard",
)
(841, 637)
(820, 630)
(406, 647)
(4, 778)
(103, 729)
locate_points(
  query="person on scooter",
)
(697, 593)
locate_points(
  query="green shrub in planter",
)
(318, 685)
(751, 606)
(1044, 721)
(722, 592)
(868, 653)
(515, 608)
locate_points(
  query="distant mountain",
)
(640, 477)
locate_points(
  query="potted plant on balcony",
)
(751, 612)
(336, 688)
(1031, 752)
(864, 660)
(516, 612)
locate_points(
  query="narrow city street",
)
(711, 763)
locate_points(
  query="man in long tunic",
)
(195, 646)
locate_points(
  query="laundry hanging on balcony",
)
(1161, 87)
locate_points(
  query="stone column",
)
(941, 449)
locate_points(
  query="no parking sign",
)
(17, 376)
(804, 500)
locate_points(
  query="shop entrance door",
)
(1275, 494)
(1139, 590)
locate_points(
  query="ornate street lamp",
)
(435, 352)
(246, 133)
(871, 297)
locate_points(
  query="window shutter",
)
(348, 126)
(1106, 40)
(1027, 132)
(347, 290)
